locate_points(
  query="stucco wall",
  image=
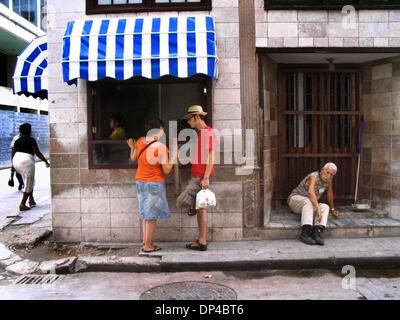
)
(101, 205)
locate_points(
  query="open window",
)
(116, 6)
(137, 101)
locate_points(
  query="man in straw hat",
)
(201, 172)
(304, 200)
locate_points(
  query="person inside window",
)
(23, 161)
(117, 122)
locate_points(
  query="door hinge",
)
(93, 129)
(205, 90)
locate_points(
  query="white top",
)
(14, 139)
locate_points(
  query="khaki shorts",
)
(187, 199)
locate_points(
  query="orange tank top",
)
(150, 171)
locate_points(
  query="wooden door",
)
(318, 123)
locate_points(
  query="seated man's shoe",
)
(306, 235)
(317, 235)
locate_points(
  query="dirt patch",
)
(50, 250)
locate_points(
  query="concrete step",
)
(345, 213)
(336, 228)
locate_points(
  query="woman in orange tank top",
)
(153, 164)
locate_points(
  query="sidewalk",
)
(229, 256)
(11, 197)
(174, 257)
(281, 254)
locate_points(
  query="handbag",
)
(11, 180)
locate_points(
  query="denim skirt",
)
(153, 203)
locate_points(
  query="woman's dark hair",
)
(25, 129)
(153, 124)
(118, 118)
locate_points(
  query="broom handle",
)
(358, 172)
(359, 157)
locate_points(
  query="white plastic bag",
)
(205, 199)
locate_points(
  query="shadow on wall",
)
(9, 124)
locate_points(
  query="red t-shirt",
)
(206, 140)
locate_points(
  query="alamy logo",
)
(349, 17)
(349, 281)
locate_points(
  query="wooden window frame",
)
(148, 5)
(327, 4)
(207, 104)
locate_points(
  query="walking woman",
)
(23, 162)
(153, 165)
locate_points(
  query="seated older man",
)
(304, 200)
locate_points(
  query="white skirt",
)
(24, 164)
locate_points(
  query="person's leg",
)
(307, 213)
(20, 180)
(31, 200)
(22, 205)
(201, 243)
(303, 206)
(144, 230)
(187, 198)
(150, 226)
(320, 226)
(325, 214)
(202, 223)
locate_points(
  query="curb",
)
(74, 265)
(284, 264)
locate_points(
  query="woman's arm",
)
(40, 155)
(132, 144)
(165, 164)
(205, 182)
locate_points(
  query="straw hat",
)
(193, 110)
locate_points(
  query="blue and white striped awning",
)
(30, 73)
(144, 47)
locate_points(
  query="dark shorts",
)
(187, 199)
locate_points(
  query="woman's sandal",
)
(150, 251)
(23, 207)
(199, 247)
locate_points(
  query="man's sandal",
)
(199, 247)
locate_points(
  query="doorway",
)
(318, 114)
